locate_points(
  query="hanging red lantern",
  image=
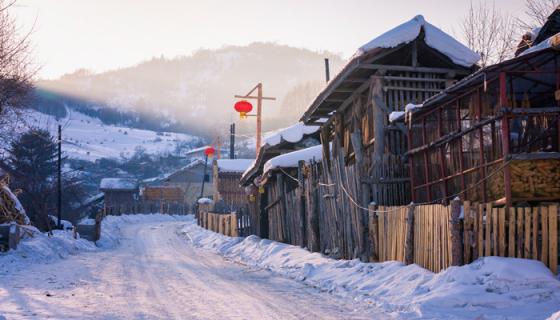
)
(243, 107)
(209, 152)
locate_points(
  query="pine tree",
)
(31, 161)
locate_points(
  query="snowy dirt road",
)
(155, 273)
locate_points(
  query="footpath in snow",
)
(489, 288)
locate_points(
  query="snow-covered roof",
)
(233, 165)
(293, 134)
(434, 37)
(553, 41)
(291, 159)
(205, 201)
(118, 184)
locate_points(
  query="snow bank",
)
(233, 165)
(293, 134)
(489, 288)
(38, 247)
(434, 37)
(291, 159)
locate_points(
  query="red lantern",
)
(243, 107)
(209, 152)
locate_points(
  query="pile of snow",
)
(489, 288)
(292, 134)
(411, 106)
(22, 215)
(118, 184)
(38, 247)
(233, 165)
(434, 37)
(291, 159)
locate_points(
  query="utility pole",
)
(327, 71)
(204, 177)
(232, 141)
(259, 97)
(59, 176)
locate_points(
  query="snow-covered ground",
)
(166, 267)
(148, 269)
(88, 138)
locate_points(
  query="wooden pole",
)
(505, 138)
(259, 121)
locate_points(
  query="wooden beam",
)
(412, 89)
(534, 156)
(396, 78)
(413, 69)
(253, 97)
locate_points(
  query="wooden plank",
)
(527, 235)
(520, 233)
(544, 243)
(511, 232)
(502, 232)
(495, 231)
(467, 232)
(488, 224)
(480, 232)
(553, 237)
(535, 234)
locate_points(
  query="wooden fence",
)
(233, 224)
(436, 236)
(148, 206)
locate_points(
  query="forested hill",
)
(193, 94)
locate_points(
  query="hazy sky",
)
(108, 34)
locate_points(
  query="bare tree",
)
(537, 12)
(489, 32)
(16, 68)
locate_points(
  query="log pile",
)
(10, 208)
(535, 179)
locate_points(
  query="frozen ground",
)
(162, 267)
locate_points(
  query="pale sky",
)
(106, 34)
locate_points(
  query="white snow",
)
(118, 184)
(291, 159)
(393, 116)
(545, 44)
(233, 165)
(205, 201)
(489, 288)
(292, 134)
(411, 106)
(435, 38)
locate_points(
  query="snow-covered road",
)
(155, 273)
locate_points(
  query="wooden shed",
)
(121, 194)
(493, 136)
(364, 156)
(227, 176)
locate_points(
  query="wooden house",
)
(227, 175)
(364, 156)
(295, 137)
(493, 136)
(189, 178)
(121, 194)
(163, 199)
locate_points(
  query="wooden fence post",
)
(456, 237)
(373, 233)
(409, 244)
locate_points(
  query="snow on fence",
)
(436, 236)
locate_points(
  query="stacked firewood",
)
(535, 179)
(10, 208)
